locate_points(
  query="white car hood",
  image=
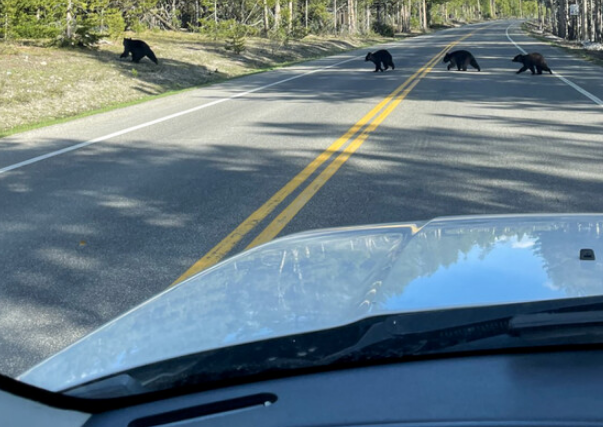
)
(330, 278)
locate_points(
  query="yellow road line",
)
(221, 249)
(225, 246)
(304, 197)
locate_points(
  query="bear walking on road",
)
(139, 50)
(531, 61)
(381, 57)
(461, 59)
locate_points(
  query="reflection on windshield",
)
(446, 266)
(322, 280)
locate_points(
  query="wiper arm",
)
(553, 325)
(393, 337)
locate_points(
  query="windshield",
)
(331, 279)
(153, 152)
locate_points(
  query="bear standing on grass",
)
(139, 50)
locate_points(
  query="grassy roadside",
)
(41, 85)
(572, 47)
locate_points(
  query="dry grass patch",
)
(39, 83)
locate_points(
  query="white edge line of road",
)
(163, 119)
(584, 92)
(181, 113)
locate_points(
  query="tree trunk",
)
(266, 18)
(277, 14)
(351, 18)
(553, 16)
(562, 19)
(401, 17)
(356, 17)
(335, 16)
(367, 22)
(597, 24)
(423, 16)
(69, 20)
(591, 20)
(172, 14)
(290, 15)
(583, 20)
(306, 12)
(197, 13)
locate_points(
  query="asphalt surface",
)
(90, 233)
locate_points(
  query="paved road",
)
(89, 233)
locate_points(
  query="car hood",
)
(329, 278)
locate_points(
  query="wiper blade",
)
(394, 338)
(546, 325)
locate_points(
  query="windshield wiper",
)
(392, 337)
(559, 324)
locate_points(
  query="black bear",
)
(139, 50)
(531, 61)
(381, 56)
(461, 59)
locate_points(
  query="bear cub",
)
(381, 57)
(531, 61)
(461, 59)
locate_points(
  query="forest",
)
(84, 22)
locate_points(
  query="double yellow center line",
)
(390, 103)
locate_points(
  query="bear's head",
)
(518, 58)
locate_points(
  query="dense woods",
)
(573, 20)
(83, 22)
